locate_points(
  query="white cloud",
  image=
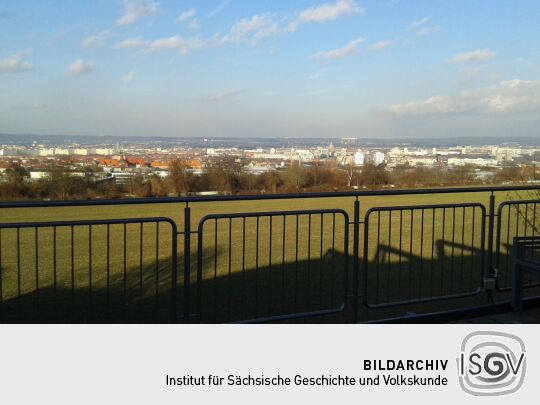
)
(15, 63)
(134, 10)
(57, 36)
(507, 96)
(128, 77)
(180, 44)
(433, 105)
(186, 15)
(80, 67)
(95, 40)
(216, 98)
(189, 17)
(130, 43)
(168, 43)
(418, 23)
(218, 9)
(473, 56)
(342, 52)
(329, 12)
(379, 46)
(255, 28)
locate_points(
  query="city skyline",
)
(233, 68)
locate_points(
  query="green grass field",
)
(294, 267)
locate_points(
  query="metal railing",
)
(306, 264)
(524, 261)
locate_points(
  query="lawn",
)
(251, 267)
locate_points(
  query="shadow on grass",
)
(145, 295)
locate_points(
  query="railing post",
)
(356, 252)
(187, 262)
(491, 230)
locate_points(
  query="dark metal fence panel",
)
(514, 219)
(424, 253)
(118, 270)
(270, 266)
(261, 266)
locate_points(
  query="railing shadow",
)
(279, 292)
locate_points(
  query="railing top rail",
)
(120, 221)
(424, 207)
(253, 197)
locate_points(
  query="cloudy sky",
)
(304, 68)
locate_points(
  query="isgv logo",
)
(491, 363)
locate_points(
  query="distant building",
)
(359, 158)
(378, 158)
(471, 161)
(38, 175)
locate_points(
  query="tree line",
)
(227, 176)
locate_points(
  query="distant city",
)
(122, 160)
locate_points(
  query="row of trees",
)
(227, 176)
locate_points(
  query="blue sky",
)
(306, 68)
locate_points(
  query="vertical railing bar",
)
(534, 221)
(517, 219)
(452, 271)
(174, 274)
(55, 287)
(471, 270)
(365, 297)
(309, 263)
(187, 267)
(377, 261)
(200, 258)
(462, 246)
(491, 228)
(432, 269)
(156, 301)
(257, 268)
(534, 226)
(72, 251)
(356, 253)
(400, 247)
(141, 270)
(18, 275)
(321, 262)
(124, 281)
(346, 259)
(491, 271)
(482, 243)
(270, 267)
(243, 268)
(443, 258)
(108, 271)
(526, 218)
(332, 271)
(507, 272)
(389, 265)
(215, 270)
(229, 272)
(420, 295)
(90, 297)
(36, 248)
(283, 265)
(296, 268)
(411, 254)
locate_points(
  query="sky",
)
(305, 68)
